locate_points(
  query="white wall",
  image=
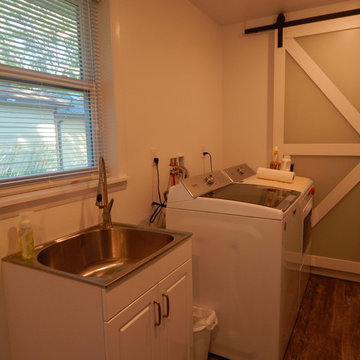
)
(167, 82)
(247, 96)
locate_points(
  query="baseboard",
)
(337, 268)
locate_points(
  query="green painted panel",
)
(337, 235)
(325, 171)
(310, 117)
(338, 55)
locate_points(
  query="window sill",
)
(35, 198)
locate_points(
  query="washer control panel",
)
(202, 184)
(239, 173)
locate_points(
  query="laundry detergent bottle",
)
(26, 236)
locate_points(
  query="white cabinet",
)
(177, 305)
(132, 334)
(74, 320)
(157, 325)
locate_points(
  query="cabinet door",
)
(176, 328)
(133, 334)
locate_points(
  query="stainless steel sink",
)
(101, 256)
(102, 252)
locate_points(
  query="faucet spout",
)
(102, 196)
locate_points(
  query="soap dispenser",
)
(26, 236)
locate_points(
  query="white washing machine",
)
(247, 251)
(242, 173)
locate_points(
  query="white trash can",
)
(204, 320)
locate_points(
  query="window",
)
(49, 123)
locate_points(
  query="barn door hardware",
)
(281, 23)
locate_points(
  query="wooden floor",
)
(328, 324)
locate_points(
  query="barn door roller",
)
(281, 23)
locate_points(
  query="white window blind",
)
(50, 123)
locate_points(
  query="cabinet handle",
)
(157, 305)
(167, 301)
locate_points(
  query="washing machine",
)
(247, 241)
(244, 174)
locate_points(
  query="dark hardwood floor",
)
(328, 324)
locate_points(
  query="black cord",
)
(210, 158)
(158, 178)
(160, 204)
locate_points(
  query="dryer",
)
(246, 248)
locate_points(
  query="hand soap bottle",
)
(26, 236)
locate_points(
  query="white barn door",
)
(317, 120)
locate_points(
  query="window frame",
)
(85, 82)
(64, 186)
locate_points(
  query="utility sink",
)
(102, 252)
(102, 256)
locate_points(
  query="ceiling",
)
(231, 11)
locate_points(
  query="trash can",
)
(204, 320)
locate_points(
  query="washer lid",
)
(274, 198)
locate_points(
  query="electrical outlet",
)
(153, 154)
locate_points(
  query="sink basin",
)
(101, 256)
(101, 252)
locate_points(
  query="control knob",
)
(209, 180)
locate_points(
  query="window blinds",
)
(50, 123)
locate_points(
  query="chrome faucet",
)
(102, 196)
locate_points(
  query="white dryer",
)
(246, 246)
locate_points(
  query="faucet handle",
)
(111, 202)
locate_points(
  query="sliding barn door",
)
(317, 121)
